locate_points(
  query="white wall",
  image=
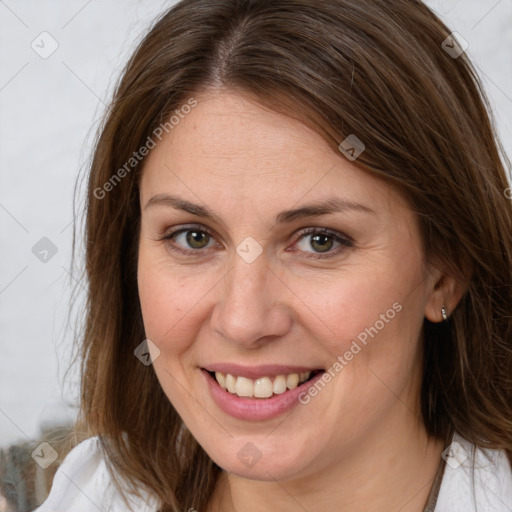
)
(49, 110)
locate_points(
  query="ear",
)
(445, 291)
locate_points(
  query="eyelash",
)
(344, 240)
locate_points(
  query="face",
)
(271, 265)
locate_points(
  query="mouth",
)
(258, 393)
(263, 387)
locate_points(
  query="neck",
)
(391, 469)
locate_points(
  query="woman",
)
(299, 253)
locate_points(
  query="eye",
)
(322, 241)
(189, 239)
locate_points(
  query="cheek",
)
(167, 303)
(369, 321)
(341, 307)
(167, 298)
(372, 341)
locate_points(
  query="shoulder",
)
(82, 484)
(475, 476)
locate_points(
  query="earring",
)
(443, 312)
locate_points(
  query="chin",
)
(261, 458)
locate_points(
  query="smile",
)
(263, 387)
(258, 394)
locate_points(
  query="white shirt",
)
(82, 483)
(492, 480)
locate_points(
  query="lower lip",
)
(256, 409)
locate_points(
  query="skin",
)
(360, 443)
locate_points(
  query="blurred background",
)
(58, 63)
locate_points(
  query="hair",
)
(373, 68)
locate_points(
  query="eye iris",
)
(194, 239)
(322, 239)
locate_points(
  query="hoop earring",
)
(443, 312)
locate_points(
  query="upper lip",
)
(254, 372)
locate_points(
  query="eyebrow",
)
(325, 207)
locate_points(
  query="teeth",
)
(230, 383)
(264, 387)
(221, 379)
(292, 380)
(279, 384)
(244, 387)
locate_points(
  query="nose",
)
(252, 309)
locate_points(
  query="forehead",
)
(230, 146)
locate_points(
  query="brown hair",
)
(373, 68)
